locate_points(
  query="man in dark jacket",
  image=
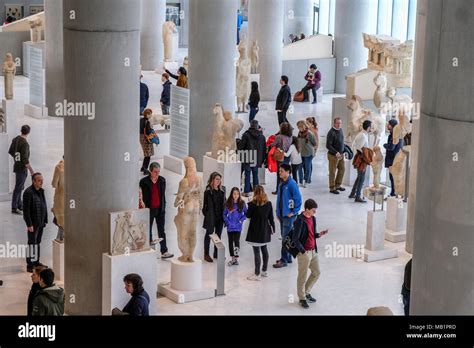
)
(283, 100)
(165, 100)
(252, 148)
(335, 147)
(304, 239)
(406, 288)
(35, 287)
(153, 197)
(392, 150)
(35, 214)
(20, 151)
(144, 96)
(49, 301)
(140, 302)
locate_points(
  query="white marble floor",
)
(347, 286)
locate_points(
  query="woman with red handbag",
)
(282, 144)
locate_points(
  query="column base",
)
(395, 237)
(378, 255)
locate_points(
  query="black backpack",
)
(290, 245)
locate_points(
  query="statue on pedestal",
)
(358, 116)
(9, 71)
(381, 82)
(189, 204)
(398, 170)
(36, 25)
(377, 165)
(254, 56)
(244, 67)
(225, 131)
(169, 28)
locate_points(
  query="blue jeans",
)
(253, 112)
(308, 168)
(358, 184)
(250, 170)
(286, 224)
(20, 179)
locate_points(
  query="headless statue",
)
(9, 71)
(225, 131)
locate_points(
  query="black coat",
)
(300, 233)
(261, 223)
(146, 186)
(166, 94)
(20, 146)
(138, 304)
(31, 296)
(392, 150)
(213, 214)
(254, 99)
(35, 211)
(284, 98)
(254, 140)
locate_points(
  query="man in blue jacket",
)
(287, 208)
(304, 239)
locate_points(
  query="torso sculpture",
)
(225, 131)
(399, 103)
(189, 204)
(169, 28)
(36, 26)
(377, 165)
(398, 170)
(381, 82)
(9, 71)
(254, 56)
(186, 63)
(402, 129)
(244, 67)
(358, 116)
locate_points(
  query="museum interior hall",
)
(236, 157)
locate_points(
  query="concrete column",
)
(298, 18)
(266, 26)
(54, 64)
(101, 63)
(352, 19)
(416, 96)
(442, 276)
(212, 57)
(153, 15)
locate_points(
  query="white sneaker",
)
(253, 277)
(264, 274)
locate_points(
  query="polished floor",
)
(347, 286)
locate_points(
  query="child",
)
(295, 160)
(234, 217)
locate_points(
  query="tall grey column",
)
(420, 40)
(54, 64)
(212, 57)
(153, 16)
(298, 18)
(266, 26)
(352, 19)
(442, 276)
(101, 61)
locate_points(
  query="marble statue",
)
(358, 116)
(389, 55)
(189, 204)
(377, 165)
(169, 28)
(226, 128)
(186, 63)
(244, 67)
(129, 235)
(255, 57)
(36, 25)
(380, 82)
(9, 71)
(162, 120)
(402, 129)
(398, 170)
(399, 103)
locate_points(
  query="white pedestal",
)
(5, 169)
(114, 268)
(9, 111)
(350, 173)
(231, 172)
(186, 283)
(174, 164)
(396, 220)
(374, 244)
(36, 111)
(58, 260)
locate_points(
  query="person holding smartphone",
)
(304, 239)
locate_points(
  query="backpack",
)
(290, 245)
